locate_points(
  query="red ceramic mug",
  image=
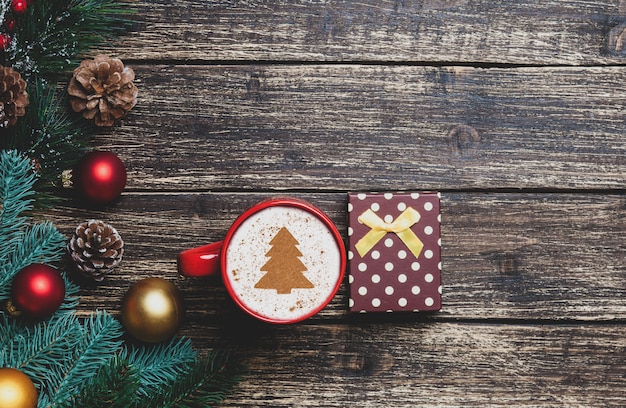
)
(282, 260)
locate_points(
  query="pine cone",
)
(103, 90)
(13, 96)
(96, 249)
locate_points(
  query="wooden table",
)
(513, 110)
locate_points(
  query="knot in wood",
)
(364, 359)
(508, 264)
(616, 40)
(354, 362)
(463, 138)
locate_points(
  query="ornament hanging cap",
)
(12, 310)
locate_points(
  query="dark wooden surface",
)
(514, 110)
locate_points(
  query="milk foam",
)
(246, 255)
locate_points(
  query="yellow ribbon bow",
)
(401, 226)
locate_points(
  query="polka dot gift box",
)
(394, 252)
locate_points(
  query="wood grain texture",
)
(372, 127)
(513, 109)
(505, 256)
(502, 32)
(429, 365)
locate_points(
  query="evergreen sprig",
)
(101, 335)
(52, 34)
(16, 194)
(115, 386)
(206, 384)
(22, 244)
(50, 40)
(159, 364)
(43, 350)
(78, 362)
(61, 353)
(49, 134)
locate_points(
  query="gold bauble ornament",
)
(16, 389)
(152, 310)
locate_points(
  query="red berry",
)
(9, 24)
(5, 40)
(19, 6)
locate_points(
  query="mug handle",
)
(200, 261)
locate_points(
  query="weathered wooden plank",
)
(428, 365)
(372, 127)
(406, 112)
(509, 31)
(505, 256)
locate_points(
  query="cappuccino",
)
(283, 263)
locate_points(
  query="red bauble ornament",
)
(5, 41)
(99, 177)
(19, 6)
(37, 291)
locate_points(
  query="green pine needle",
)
(80, 362)
(101, 338)
(40, 243)
(50, 40)
(53, 33)
(205, 385)
(190, 381)
(50, 135)
(20, 244)
(61, 353)
(72, 298)
(42, 349)
(115, 386)
(159, 364)
(16, 195)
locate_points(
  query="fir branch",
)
(72, 297)
(206, 384)
(159, 364)
(39, 243)
(16, 196)
(101, 338)
(52, 33)
(64, 355)
(49, 135)
(20, 244)
(60, 138)
(41, 351)
(4, 8)
(194, 383)
(115, 386)
(9, 329)
(49, 40)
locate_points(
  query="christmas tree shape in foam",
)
(284, 268)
